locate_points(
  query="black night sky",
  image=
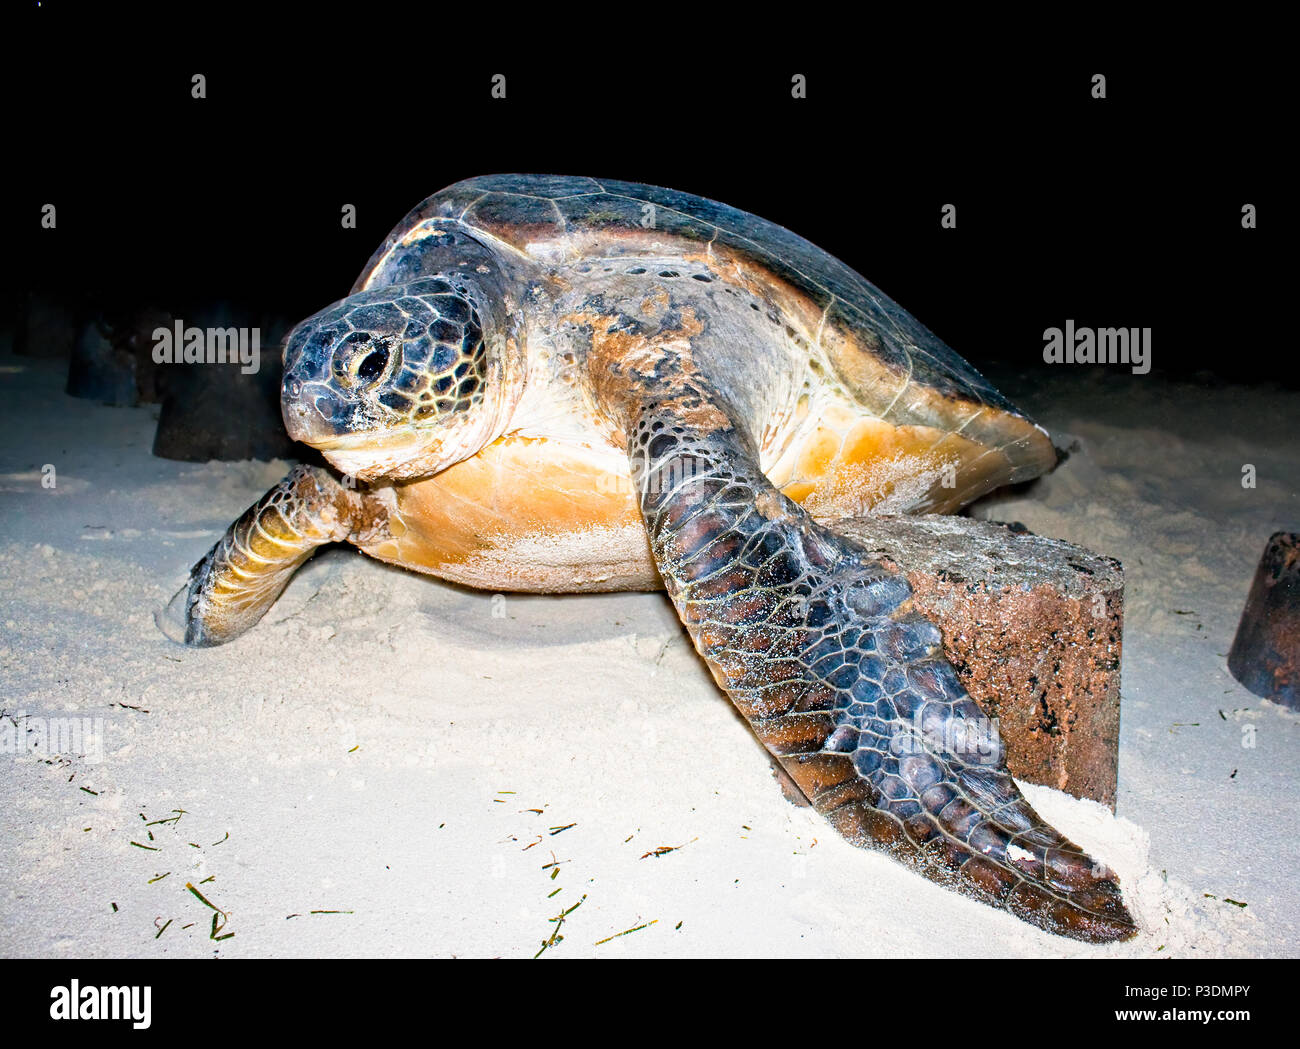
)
(1122, 212)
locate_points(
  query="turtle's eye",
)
(372, 364)
(360, 360)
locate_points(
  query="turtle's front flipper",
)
(240, 578)
(814, 643)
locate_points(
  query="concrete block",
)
(1033, 627)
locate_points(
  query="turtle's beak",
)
(367, 457)
(309, 411)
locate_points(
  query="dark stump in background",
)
(1265, 656)
(221, 410)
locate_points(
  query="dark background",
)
(1122, 212)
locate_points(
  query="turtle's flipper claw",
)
(248, 568)
(173, 618)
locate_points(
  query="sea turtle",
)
(558, 384)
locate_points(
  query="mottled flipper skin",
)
(814, 643)
(243, 574)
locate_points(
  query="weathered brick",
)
(1033, 627)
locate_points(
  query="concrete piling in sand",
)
(1033, 627)
(1265, 655)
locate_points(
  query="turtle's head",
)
(398, 382)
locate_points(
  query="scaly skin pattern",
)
(231, 588)
(815, 645)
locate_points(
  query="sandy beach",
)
(392, 766)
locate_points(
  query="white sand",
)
(377, 744)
